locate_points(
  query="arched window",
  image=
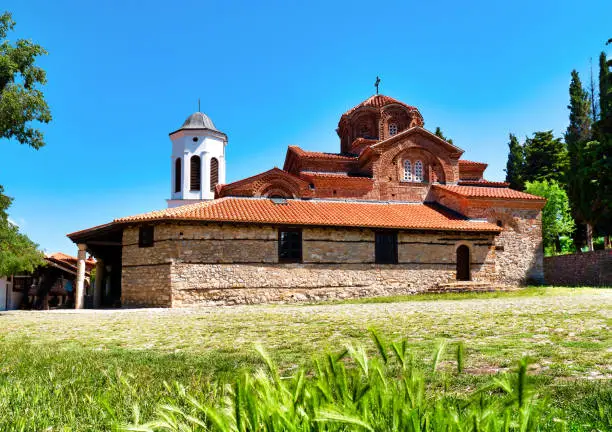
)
(214, 173)
(364, 131)
(407, 171)
(177, 175)
(196, 173)
(392, 129)
(418, 171)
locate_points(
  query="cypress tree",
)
(516, 164)
(439, 134)
(599, 153)
(578, 133)
(605, 97)
(579, 129)
(545, 158)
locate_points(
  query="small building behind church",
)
(395, 211)
(48, 286)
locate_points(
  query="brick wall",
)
(590, 268)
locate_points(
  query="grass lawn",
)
(86, 370)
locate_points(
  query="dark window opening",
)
(463, 263)
(386, 248)
(290, 246)
(500, 223)
(22, 283)
(196, 173)
(214, 173)
(145, 236)
(177, 175)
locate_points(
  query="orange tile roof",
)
(318, 213)
(468, 164)
(321, 155)
(489, 192)
(60, 256)
(378, 101)
(483, 182)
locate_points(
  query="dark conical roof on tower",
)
(198, 120)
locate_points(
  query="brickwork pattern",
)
(589, 268)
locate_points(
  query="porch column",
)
(80, 280)
(99, 286)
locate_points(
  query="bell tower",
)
(197, 161)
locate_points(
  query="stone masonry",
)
(519, 249)
(230, 264)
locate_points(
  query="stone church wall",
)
(214, 264)
(519, 250)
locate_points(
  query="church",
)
(395, 211)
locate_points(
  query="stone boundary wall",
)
(589, 268)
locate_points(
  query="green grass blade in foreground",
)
(357, 392)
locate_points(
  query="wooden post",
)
(80, 281)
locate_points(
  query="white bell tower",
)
(197, 161)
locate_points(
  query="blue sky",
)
(123, 74)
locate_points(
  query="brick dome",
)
(375, 119)
(379, 101)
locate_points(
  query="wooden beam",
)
(103, 243)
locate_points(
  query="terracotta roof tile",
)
(489, 192)
(378, 101)
(468, 163)
(321, 155)
(482, 183)
(319, 213)
(60, 256)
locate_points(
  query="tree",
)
(579, 129)
(515, 164)
(545, 158)
(21, 102)
(594, 100)
(599, 153)
(17, 252)
(439, 134)
(556, 217)
(578, 133)
(605, 89)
